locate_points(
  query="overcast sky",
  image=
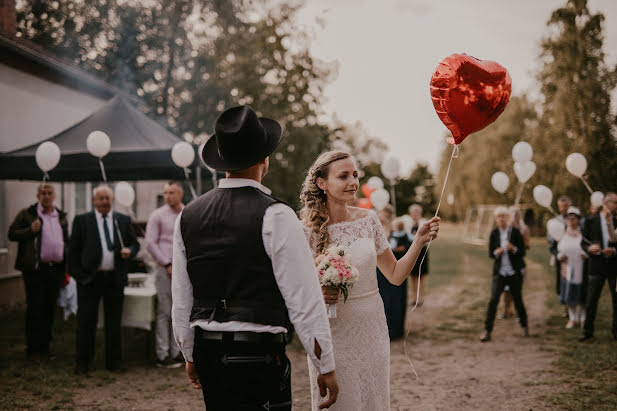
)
(387, 51)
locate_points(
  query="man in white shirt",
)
(507, 248)
(102, 242)
(243, 276)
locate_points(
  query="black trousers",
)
(242, 376)
(106, 285)
(515, 282)
(596, 283)
(42, 287)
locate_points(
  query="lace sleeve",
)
(381, 242)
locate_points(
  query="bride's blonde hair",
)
(314, 213)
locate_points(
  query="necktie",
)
(612, 237)
(110, 245)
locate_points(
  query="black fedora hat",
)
(241, 139)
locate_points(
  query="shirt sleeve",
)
(381, 242)
(181, 296)
(153, 232)
(294, 270)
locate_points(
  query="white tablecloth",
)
(139, 309)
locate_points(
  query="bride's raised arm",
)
(396, 271)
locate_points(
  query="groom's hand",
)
(327, 384)
(192, 374)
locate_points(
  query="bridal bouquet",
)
(334, 269)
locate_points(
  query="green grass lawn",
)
(586, 371)
(50, 385)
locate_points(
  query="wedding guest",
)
(571, 256)
(42, 233)
(563, 203)
(517, 222)
(159, 240)
(395, 296)
(415, 212)
(507, 248)
(102, 242)
(600, 242)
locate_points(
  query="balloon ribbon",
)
(455, 153)
(188, 180)
(103, 170)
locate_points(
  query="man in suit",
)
(507, 248)
(242, 274)
(600, 243)
(102, 242)
(42, 232)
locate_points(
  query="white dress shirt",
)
(107, 260)
(294, 271)
(506, 268)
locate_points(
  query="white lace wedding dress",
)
(360, 332)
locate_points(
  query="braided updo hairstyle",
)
(314, 213)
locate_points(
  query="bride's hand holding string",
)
(428, 231)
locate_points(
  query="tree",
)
(576, 86)
(188, 61)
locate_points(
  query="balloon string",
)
(45, 176)
(587, 185)
(518, 195)
(188, 180)
(455, 153)
(103, 170)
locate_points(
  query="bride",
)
(359, 332)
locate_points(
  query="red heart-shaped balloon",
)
(469, 94)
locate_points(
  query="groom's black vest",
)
(231, 273)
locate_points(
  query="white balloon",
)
(500, 181)
(407, 222)
(450, 199)
(576, 164)
(182, 154)
(522, 152)
(379, 198)
(543, 195)
(555, 229)
(375, 182)
(524, 171)
(597, 198)
(390, 168)
(124, 194)
(47, 156)
(98, 144)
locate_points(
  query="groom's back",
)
(231, 273)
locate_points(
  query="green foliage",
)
(573, 115)
(188, 61)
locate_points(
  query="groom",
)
(243, 277)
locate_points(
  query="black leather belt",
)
(241, 336)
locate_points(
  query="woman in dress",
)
(572, 257)
(359, 331)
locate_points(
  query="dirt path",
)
(455, 370)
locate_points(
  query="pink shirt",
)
(160, 234)
(52, 240)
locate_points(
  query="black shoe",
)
(525, 332)
(486, 336)
(586, 338)
(179, 359)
